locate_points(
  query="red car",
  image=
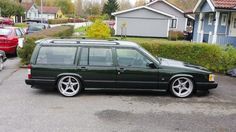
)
(6, 21)
(9, 39)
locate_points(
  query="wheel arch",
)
(181, 75)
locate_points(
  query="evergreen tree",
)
(110, 7)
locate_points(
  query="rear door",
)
(133, 70)
(96, 66)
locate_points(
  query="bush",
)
(176, 35)
(213, 57)
(26, 52)
(21, 25)
(98, 30)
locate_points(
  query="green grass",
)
(21, 25)
(80, 29)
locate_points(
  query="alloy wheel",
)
(69, 86)
(182, 87)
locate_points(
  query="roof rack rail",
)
(81, 41)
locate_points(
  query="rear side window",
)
(100, 57)
(96, 57)
(57, 55)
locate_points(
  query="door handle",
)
(122, 70)
(83, 69)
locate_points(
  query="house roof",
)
(225, 4)
(142, 7)
(171, 5)
(27, 6)
(217, 4)
(49, 9)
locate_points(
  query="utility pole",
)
(41, 11)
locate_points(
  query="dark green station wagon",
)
(72, 66)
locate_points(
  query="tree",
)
(110, 7)
(140, 3)
(11, 8)
(124, 5)
(66, 6)
(99, 30)
(92, 8)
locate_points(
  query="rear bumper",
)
(206, 85)
(41, 83)
(9, 50)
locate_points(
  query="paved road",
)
(24, 109)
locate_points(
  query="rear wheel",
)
(69, 86)
(1, 64)
(182, 87)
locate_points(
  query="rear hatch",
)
(4, 33)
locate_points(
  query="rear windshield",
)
(5, 31)
(57, 55)
(36, 27)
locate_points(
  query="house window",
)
(234, 22)
(224, 19)
(210, 19)
(173, 23)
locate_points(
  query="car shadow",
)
(120, 93)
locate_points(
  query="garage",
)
(142, 22)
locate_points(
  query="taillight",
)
(29, 71)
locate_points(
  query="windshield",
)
(5, 32)
(36, 27)
(149, 54)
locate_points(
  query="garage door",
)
(147, 27)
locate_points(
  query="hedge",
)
(63, 21)
(213, 57)
(26, 52)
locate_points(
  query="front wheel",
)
(1, 64)
(182, 87)
(69, 86)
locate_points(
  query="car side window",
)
(131, 58)
(100, 57)
(18, 33)
(56, 55)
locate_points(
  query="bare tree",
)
(140, 3)
(124, 5)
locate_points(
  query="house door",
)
(233, 25)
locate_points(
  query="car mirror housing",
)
(151, 65)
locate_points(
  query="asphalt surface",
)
(24, 109)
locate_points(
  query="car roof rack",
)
(79, 41)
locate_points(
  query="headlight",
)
(211, 77)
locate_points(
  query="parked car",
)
(74, 65)
(3, 58)
(10, 37)
(35, 27)
(6, 21)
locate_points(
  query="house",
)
(155, 19)
(31, 11)
(215, 22)
(50, 12)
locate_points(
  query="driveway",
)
(25, 109)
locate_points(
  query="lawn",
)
(80, 29)
(21, 25)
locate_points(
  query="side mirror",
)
(151, 65)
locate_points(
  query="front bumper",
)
(206, 85)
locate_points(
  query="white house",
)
(31, 11)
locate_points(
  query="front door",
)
(96, 67)
(232, 30)
(133, 70)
